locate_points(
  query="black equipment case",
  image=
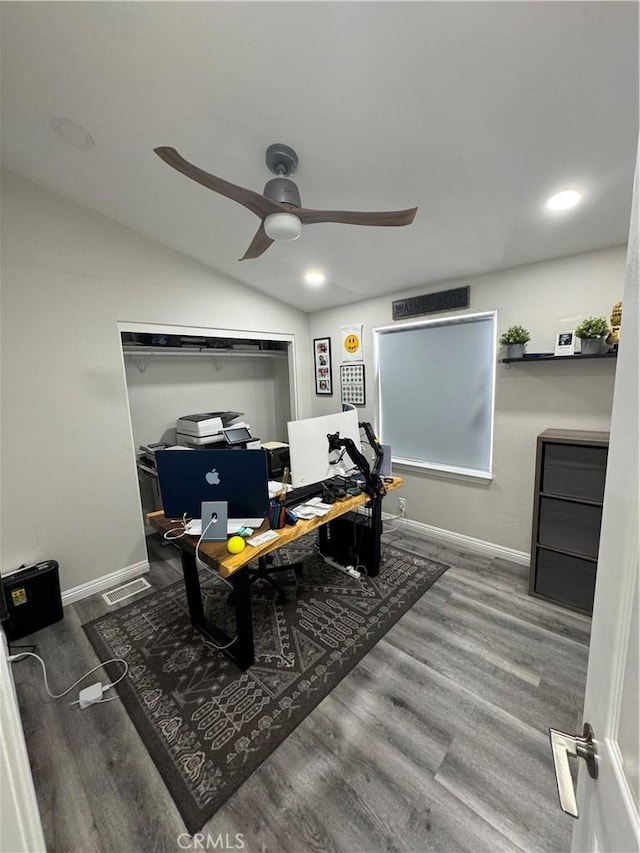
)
(33, 600)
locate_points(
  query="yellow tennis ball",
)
(235, 545)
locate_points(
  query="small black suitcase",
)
(33, 599)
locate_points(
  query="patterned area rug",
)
(207, 725)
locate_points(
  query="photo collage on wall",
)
(322, 366)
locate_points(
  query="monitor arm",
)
(375, 446)
(373, 483)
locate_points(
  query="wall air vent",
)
(115, 596)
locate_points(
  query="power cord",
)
(215, 646)
(177, 532)
(400, 518)
(200, 562)
(31, 647)
(340, 458)
(356, 547)
(202, 565)
(89, 695)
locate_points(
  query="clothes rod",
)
(205, 351)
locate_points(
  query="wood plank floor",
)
(436, 741)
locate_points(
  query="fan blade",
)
(259, 244)
(354, 217)
(256, 203)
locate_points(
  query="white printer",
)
(213, 428)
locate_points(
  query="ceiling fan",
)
(279, 207)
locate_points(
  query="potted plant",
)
(591, 332)
(515, 340)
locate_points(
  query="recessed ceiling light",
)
(72, 132)
(564, 200)
(314, 277)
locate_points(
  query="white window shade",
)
(436, 392)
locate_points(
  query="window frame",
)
(452, 471)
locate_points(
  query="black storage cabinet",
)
(567, 513)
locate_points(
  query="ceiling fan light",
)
(282, 226)
(314, 277)
(564, 200)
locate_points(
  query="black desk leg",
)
(323, 537)
(241, 649)
(192, 588)
(376, 533)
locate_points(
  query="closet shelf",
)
(205, 352)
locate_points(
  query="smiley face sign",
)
(351, 343)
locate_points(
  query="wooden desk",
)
(233, 567)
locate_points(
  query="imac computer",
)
(189, 477)
(311, 460)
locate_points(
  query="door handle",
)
(563, 746)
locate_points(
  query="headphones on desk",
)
(350, 489)
(328, 494)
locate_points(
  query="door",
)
(608, 806)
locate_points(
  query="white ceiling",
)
(473, 111)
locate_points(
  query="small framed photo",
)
(565, 343)
(322, 366)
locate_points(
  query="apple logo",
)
(212, 477)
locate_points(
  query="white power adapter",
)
(352, 572)
(90, 695)
(347, 570)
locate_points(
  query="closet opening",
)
(175, 371)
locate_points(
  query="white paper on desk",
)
(312, 508)
(263, 538)
(304, 512)
(319, 510)
(275, 487)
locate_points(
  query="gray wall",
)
(544, 298)
(181, 385)
(69, 484)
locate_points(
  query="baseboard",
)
(522, 558)
(101, 584)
